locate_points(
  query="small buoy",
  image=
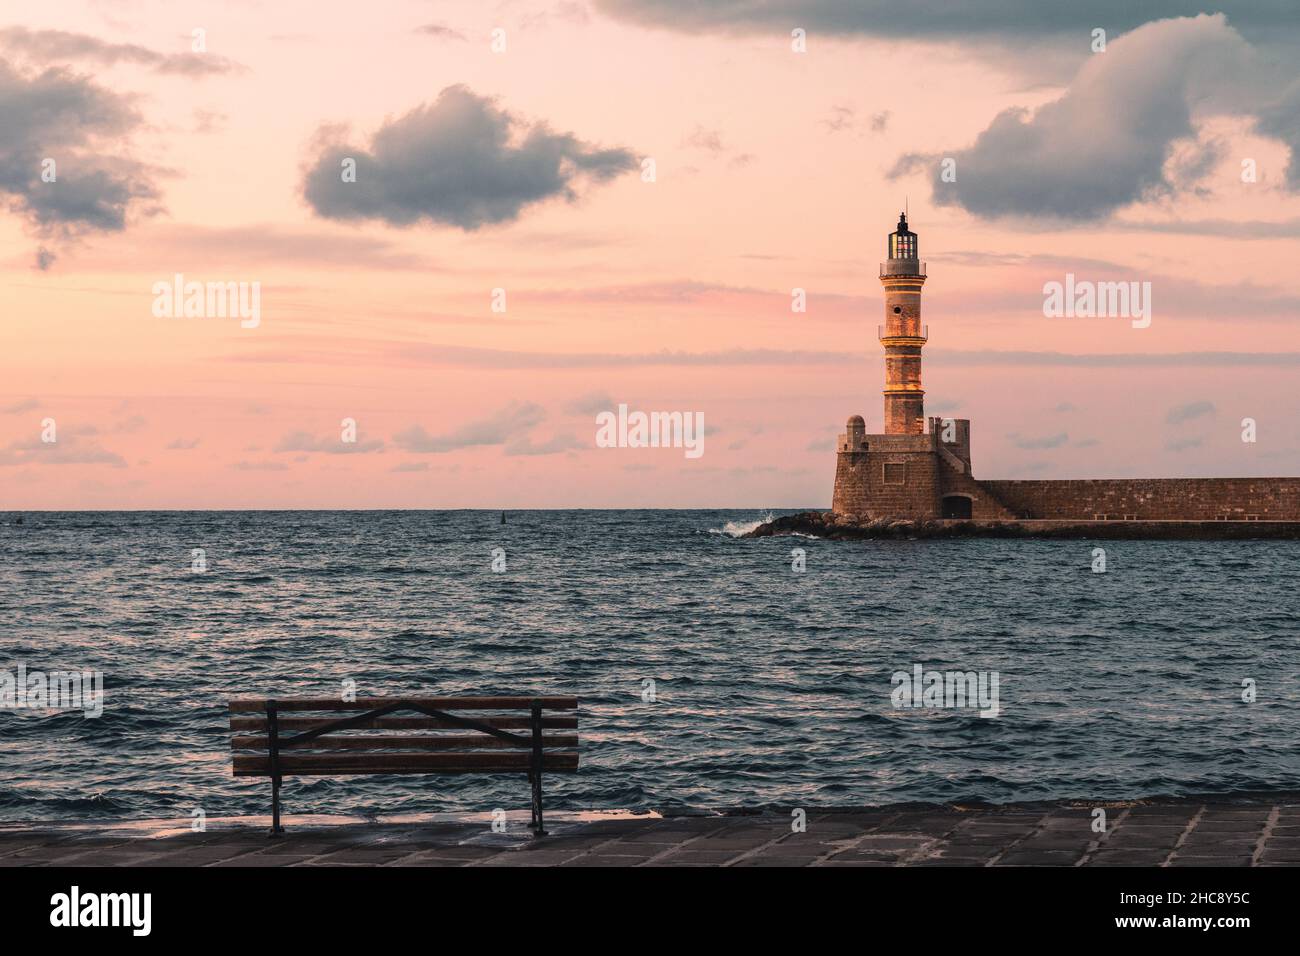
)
(503, 517)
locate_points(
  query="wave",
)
(734, 529)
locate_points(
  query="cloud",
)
(1185, 413)
(70, 449)
(68, 119)
(1281, 120)
(1235, 229)
(1183, 444)
(460, 161)
(169, 246)
(1049, 441)
(1106, 142)
(25, 405)
(559, 443)
(938, 19)
(209, 121)
(182, 444)
(305, 441)
(990, 357)
(709, 140)
(590, 404)
(260, 466)
(844, 117)
(441, 31)
(841, 118)
(942, 405)
(509, 424)
(59, 46)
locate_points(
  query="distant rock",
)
(827, 524)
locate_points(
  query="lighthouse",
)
(917, 467)
(902, 334)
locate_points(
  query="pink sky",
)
(775, 170)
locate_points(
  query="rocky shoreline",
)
(826, 524)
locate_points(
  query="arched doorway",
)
(956, 506)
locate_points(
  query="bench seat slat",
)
(402, 723)
(401, 742)
(254, 704)
(307, 764)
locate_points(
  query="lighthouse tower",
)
(918, 467)
(903, 335)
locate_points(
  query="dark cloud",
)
(59, 46)
(1102, 145)
(1281, 120)
(939, 19)
(460, 161)
(1125, 131)
(61, 116)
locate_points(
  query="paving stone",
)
(688, 855)
(604, 859)
(1229, 826)
(1182, 860)
(854, 863)
(1018, 857)
(1041, 841)
(1147, 836)
(1114, 857)
(1275, 855)
(893, 841)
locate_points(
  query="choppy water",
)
(772, 687)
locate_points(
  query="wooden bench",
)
(266, 743)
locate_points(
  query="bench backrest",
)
(326, 736)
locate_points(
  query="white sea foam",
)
(734, 529)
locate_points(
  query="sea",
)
(713, 670)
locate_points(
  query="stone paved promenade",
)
(1145, 834)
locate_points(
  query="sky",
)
(557, 208)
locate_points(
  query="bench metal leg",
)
(538, 829)
(273, 732)
(535, 774)
(276, 829)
